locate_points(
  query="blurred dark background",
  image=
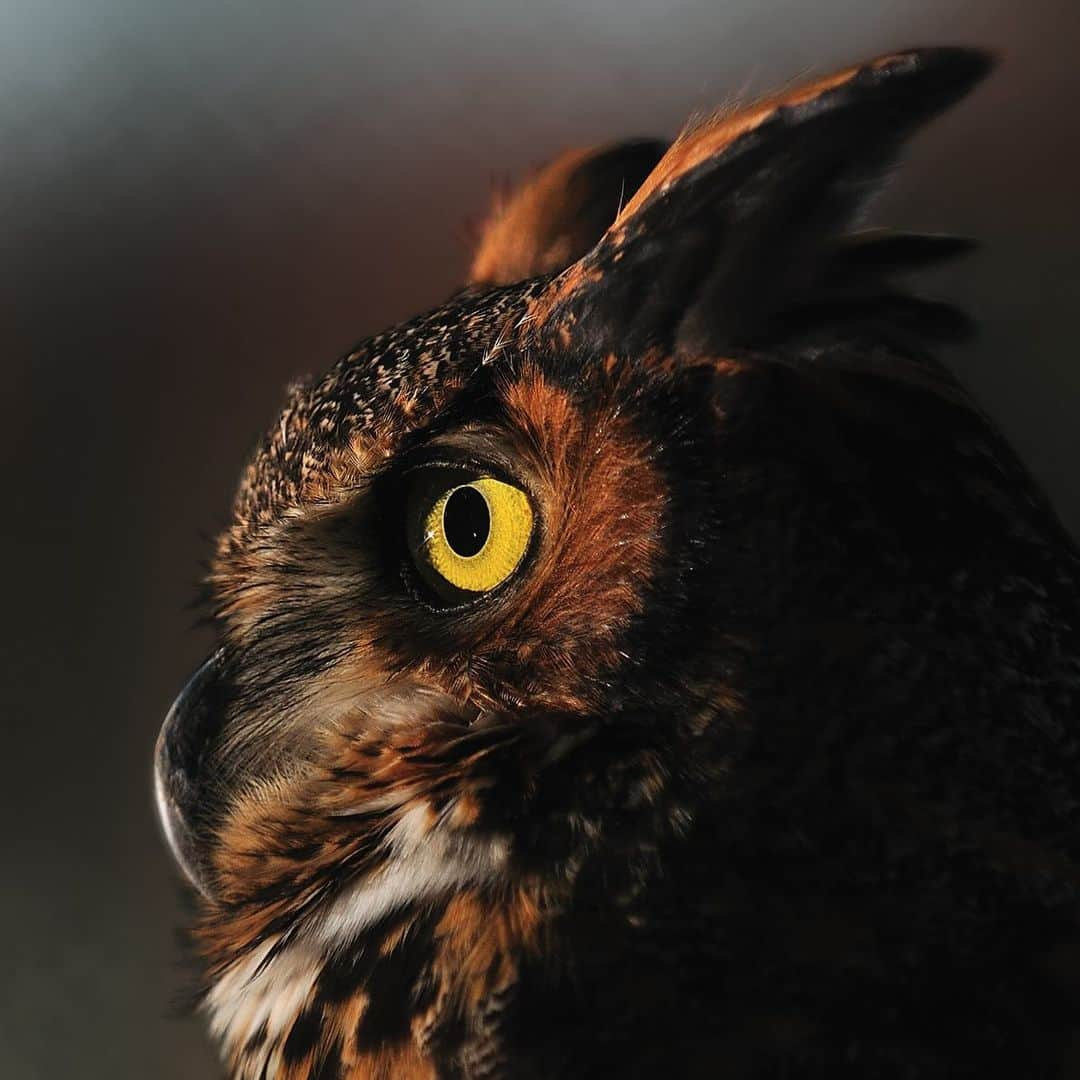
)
(201, 200)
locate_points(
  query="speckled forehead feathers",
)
(385, 385)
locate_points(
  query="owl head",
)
(511, 592)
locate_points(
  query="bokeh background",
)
(202, 200)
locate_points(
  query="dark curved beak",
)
(182, 743)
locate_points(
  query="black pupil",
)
(466, 521)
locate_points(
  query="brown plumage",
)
(649, 661)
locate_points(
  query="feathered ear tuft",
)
(557, 215)
(743, 217)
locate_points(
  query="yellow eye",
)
(474, 534)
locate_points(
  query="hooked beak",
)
(187, 732)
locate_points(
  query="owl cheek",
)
(397, 818)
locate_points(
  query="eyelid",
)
(468, 469)
(479, 450)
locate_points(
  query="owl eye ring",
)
(467, 537)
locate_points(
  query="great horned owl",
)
(650, 662)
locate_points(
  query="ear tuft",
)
(557, 215)
(886, 251)
(743, 216)
(941, 75)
